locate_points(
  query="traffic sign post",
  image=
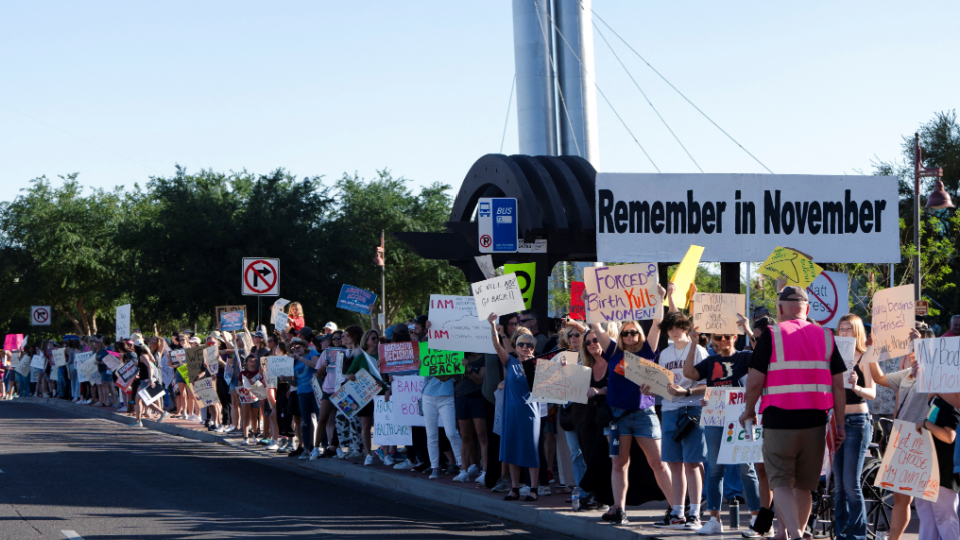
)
(261, 277)
(40, 315)
(829, 299)
(497, 224)
(922, 308)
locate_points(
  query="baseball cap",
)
(298, 341)
(793, 293)
(760, 312)
(331, 325)
(259, 334)
(305, 331)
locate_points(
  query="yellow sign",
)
(526, 277)
(796, 267)
(684, 276)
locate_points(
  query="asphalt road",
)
(103, 480)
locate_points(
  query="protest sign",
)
(910, 463)
(500, 295)
(829, 296)
(206, 391)
(247, 341)
(938, 369)
(60, 357)
(578, 310)
(126, 374)
(622, 293)
(643, 371)
(355, 395)
(440, 363)
(485, 262)
(555, 382)
(194, 357)
(718, 399)
(80, 358)
(276, 308)
(178, 357)
(317, 391)
(498, 411)
(150, 394)
(526, 279)
(848, 351)
(112, 360)
(280, 321)
(406, 393)
(211, 357)
(684, 276)
(231, 321)
(38, 361)
(796, 267)
(455, 325)
(123, 322)
(13, 342)
(279, 366)
(716, 313)
(356, 299)
(218, 312)
(90, 370)
(258, 389)
(736, 446)
(892, 317)
(402, 357)
(334, 357)
(246, 396)
(386, 430)
(743, 217)
(23, 366)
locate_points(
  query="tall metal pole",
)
(916, 214)
(536, 108)
(577, 113)
(383, 282)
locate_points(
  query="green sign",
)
(440, 363)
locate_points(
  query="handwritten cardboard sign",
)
(554, 382)
(206, 391)
(123, 322)
(356, 299)
(684, 276)
(910, 464)
(279, 366)
(892, 317)
(736, 446)
(578, 310)
(355, 395)
(280, 321)
(38, 361)
(439, 363)
(112, 360)
(623, 293)
(211, 357)
(485, 262)
(386, 428)
(194, 357)
(938, 362)
(848, 351)
(60, 357)
(796, 267)
(642, 371)
(402, 357)
(90, 371)
(455, 325)
(500, 295)
(716, 313)
(23, 366)
(718, 399)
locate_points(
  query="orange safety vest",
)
(799, 373)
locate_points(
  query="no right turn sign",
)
(261, 277)
(40, 315)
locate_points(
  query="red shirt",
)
(296, 323)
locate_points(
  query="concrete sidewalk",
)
(550, 513)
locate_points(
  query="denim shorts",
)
(642, 423)
(690, 449)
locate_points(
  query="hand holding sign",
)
(646, 373)
(623, 293)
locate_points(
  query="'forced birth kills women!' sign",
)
(622, 293)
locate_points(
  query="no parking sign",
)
(829, 298)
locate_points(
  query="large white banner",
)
(744, 217)
(455, 325)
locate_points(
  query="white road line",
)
(72, 535)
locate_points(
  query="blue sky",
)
(323, 88)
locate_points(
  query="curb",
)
(548, 520)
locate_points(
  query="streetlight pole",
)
(938, 200)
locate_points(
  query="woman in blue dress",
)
(521, 420)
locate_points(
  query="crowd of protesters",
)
(583, 451)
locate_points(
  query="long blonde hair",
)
(859, 331)
(298, 307)
(642, 337)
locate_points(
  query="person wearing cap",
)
(330, 327)
(798, 369)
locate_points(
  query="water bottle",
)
(748, 430)
(735, 514)
(614, 441)
(575, 499)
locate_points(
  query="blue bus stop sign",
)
(497, 225)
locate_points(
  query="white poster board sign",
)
(736, 446)
(279, 366)
(938, 370)
(716, 313)
(829, 296)
(718, 399)
(456, 326)
(206, 391)
(744, 217)
(355, 395)
(386, 430)
(500, 295)
(123, 322)
(60, 357)
(910, 464)
(848, 351)
(554, 382)
(38, 361)
(485, 262)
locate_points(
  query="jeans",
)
(74, 383)
(62, 382)
(23, 383)
(308, 412)
(433, 407)
(715, 472)
(850, 520)
(579, 464)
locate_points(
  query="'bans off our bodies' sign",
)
(622, 293)
(743, 217)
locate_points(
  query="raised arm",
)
(671, 305)
(501, 352)
(689, 371)
(654, 337)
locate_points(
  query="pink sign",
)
(577, 310)
(13, 342)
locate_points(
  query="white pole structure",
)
(536, 110)
(577, 113)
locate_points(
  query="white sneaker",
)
(340, 453)
(352, 455)
(136, 424)
(368, 460)
(404, 465)
(524, 490)
(229, 428)
(543, 491)
(387, 460)
(482, 479)
(464, 476)
(501, 487)
(473, 470)
(315, 453)
(304, 456)
(711, 527)
(273, 446)
(434, 474)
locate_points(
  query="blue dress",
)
(521, 421)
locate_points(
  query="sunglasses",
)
(630, 333)
(374, 338)
(574, 334)
(336, 337)
(591, 341)
(721, 337)
(526, 345)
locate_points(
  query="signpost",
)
(829, 298)
(922, 308)
(497, 225)
(40, 315)
(261, 277)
